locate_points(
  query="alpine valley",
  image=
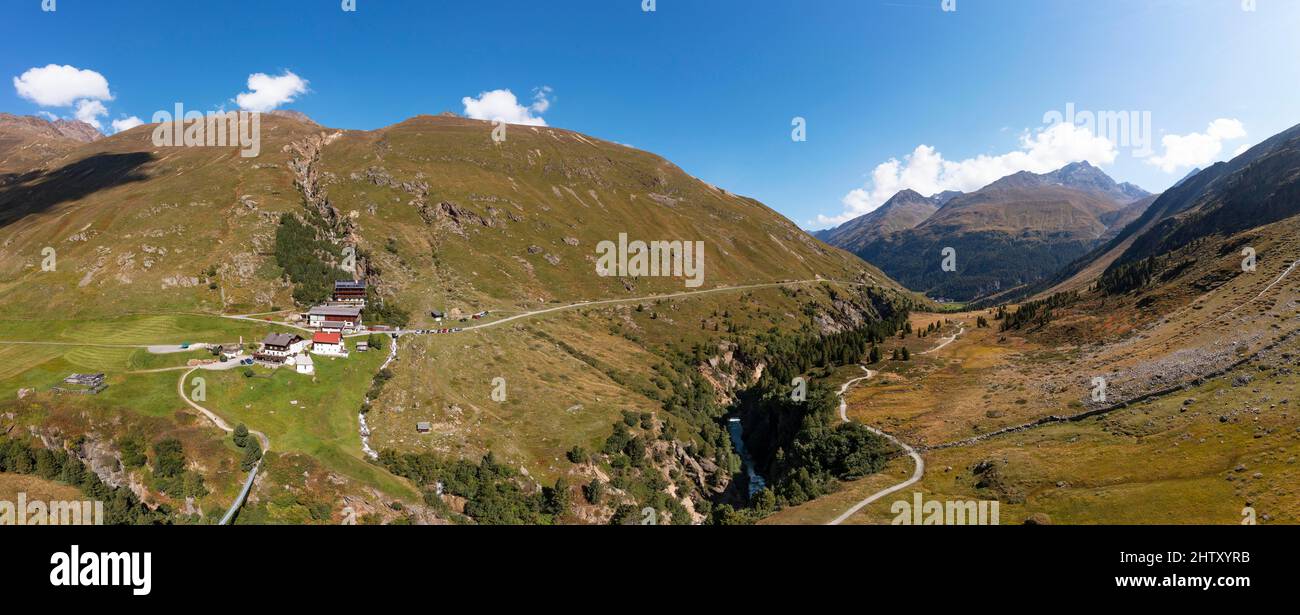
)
(425, 323)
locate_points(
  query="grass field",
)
(36, 488)
(52, 349)
(1162, 462)
(1199, 456)
(553, 399)
(323, 421)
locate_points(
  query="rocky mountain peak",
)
(293, 115)
(38, 126)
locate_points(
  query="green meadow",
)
(38, 354)
(323, 421)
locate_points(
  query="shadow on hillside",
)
(38, 191)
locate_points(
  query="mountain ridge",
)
(525, 191)
(27, 141)
(903, 211)
(1016, 230)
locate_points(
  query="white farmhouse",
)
(277, 347)
(328, 343)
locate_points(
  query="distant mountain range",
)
(71, 129)
(25, 139)
(904, 211)
(1018, 230)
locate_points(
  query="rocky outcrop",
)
(449, 216)
(307, 178)
(699, 470)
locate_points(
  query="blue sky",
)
(714, 85)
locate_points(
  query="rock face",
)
(451, 217)
(307, 178)
(77, 130)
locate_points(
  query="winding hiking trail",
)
(946, 341)
(583, 304)
(917, 461)
(574, 306)
(224, 426)
(911, 452)
(1262, 292)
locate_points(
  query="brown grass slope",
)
(135, 226)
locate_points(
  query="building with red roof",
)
(328, 343)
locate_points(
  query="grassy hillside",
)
(155, 245)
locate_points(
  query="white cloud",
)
(269, 92)
(89, 110)
(541, 102)
(926, 171)
(126, 123)
(1197, 149)
(503, 106)
(61, 86)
